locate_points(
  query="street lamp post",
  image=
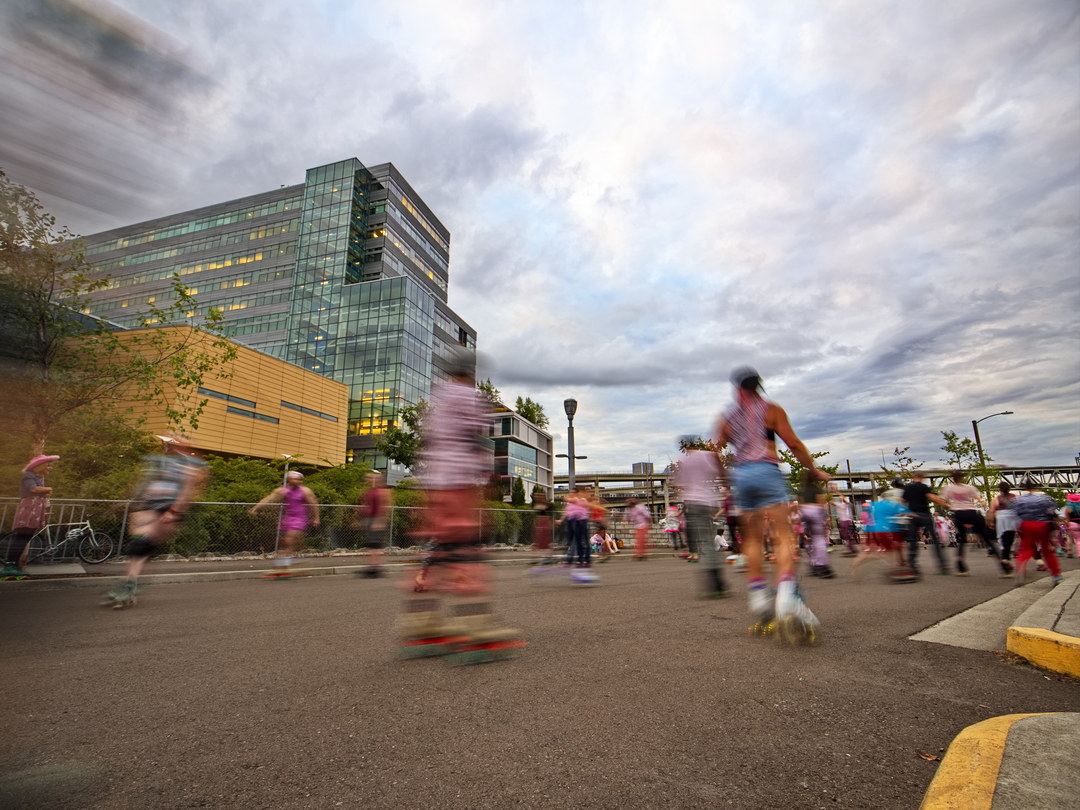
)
(570, 407)
(978, 446)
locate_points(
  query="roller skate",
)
(483, 638)
(902, 576)
(11, 573)
(795, 623)
(423, 633)
(282, 569)
(584, 576)
(122, 596)
(761, 612)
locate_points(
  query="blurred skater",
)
(542, 528)
(456, 458)
(812, 500)
(840, 508)
(964, 501)
(918, 497)
(751, 426)
(641, 519)
(1003, 520)
(170, 482)
(372, 514)
(299, 512)
(1037, 514)
(696, 477)
(30, 514)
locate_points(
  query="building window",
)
(308, 411)
(252, 415)
(206, 392)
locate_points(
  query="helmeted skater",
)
(751, 426)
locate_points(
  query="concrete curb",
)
(1056, 652)
(968, 774)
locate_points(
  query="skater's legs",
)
(699, 533)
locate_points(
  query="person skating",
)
(1037, 514)
(751, 426)
(641, 519)
(372, 514)
(918, 497)
(30, 514)
(299, 512)
(696, 477)
(964, 503)
(170, 483)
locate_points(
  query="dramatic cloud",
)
(875, 203)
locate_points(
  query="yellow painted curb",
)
(1045, 648)
(967, 776)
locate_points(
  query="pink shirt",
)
(695, 476)
(456, 419)
(639, 515)
(961, 497)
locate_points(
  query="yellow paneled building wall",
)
(257, 405)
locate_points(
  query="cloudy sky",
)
(876, 204)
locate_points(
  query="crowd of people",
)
(746, 510)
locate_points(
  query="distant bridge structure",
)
(616, 487)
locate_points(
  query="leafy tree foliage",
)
(796, 467)
(531, 410)
(490, 392)
(402, 444)
(517, 493)
(57, 362)
(961, 454)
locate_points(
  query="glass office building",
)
(345, 274)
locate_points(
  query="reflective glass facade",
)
(345, 275)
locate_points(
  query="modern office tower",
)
(345, 274)
(521, 450)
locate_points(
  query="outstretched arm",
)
(273, 497)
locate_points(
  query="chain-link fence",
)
(228, 529)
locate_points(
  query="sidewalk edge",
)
(1046, 648)
(968, 773)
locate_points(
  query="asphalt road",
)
(260, 694)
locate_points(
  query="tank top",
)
(295, 506)
(747, 432)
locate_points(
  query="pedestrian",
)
(170, 483)
(918, 497)
(1003, 520)
(30, 514)
(695, 478)
(731, 519)
(1071, 519)
(964, 502)
(1037, 514)
(751, 426)
(812, 499)
(641, 519)
(845, 524)
(671, 525)
(299, 513)
(542, 528)
(372, 514)
(886, 537)
(576, 521)
(455, 459)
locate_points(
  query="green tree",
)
(796, 467)
(961, 454)
(57, 361)
(402, 443)
(902, 465)
(531, 410)
(490, 392)
(517, 493)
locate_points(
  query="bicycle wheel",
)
(95, 547)
(38, 549)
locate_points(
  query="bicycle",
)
(92, 546)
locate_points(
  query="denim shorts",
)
(758, 484)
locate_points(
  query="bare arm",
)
(275, 496)
(313, 505)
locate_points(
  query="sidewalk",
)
(1021, 761)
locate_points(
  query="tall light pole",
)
(978, 446)
(570, 407)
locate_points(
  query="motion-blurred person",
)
(886, 538)
(542, 528)
(170, 482)
(640, 518)
(731, 519)
(576, 525)
(671, 529)
(30, 514)
(751, 426)
(1037, 514)
(695, 477)
(812, 499)
(840, 508)
(299, 512)
(1003, 520)
(456, 458)
(1071, 518)
(964, 502)
(918, 497)
(373, 511)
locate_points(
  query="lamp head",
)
(570, 406)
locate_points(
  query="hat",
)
(294, 474)
(747, 378)
(36, 460)
(1073, 497)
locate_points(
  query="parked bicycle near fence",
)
(92, 546)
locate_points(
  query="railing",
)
(213, 529)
